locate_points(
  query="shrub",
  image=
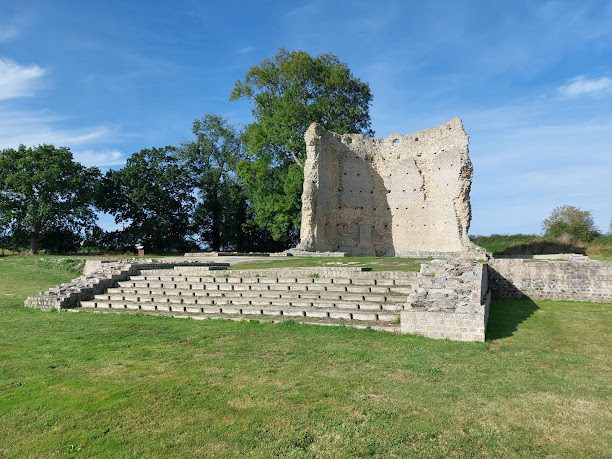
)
(570, 224)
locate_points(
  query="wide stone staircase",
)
(325, 296)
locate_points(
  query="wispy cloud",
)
(102, 158)
(11, 28)
(18, 80)
(583, 85)
(8, 32)
(305, 10)
(31, 128)
(36, 134)
(245, 50)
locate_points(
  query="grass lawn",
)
(375, 263)
(84, 384)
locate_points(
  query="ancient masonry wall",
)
(575, 279)
(404, 195)
(451, 300)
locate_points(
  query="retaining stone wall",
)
(570, 279)
(451, 301)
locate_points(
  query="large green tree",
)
(44, 193)
(153, 196)
(288, 93)
(211, 160)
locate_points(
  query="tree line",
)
(226, 189)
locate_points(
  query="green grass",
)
(104, 385)
(498, 243)
(599, 248)
(375, 263)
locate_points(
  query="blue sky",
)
(532, 81)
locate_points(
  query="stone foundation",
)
(451, 300)
(453, 326)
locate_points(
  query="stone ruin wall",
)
(404, 195)
(574, 278)
(450, 299)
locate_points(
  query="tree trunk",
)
(216, 229)
(33, 246)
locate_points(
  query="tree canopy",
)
(152, 195)
(211, 161)
(226, 189)
(43, 192)
(288, 93)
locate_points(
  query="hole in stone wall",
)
(416, 139)
(396, 141)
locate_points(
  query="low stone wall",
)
(451, 300)
(98, 276)
(575, 279)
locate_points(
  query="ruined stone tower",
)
(404, 195)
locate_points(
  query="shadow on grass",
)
(506, 315)
(540, 247)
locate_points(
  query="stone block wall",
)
(451, 300)
(571, 278)
(404, 195)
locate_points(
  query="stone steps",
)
(235, 280)
(336, 296)
(211, 286)
(248, 301)
(391, 327)
(273, 294)
(253, 311)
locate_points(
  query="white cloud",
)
(103, 158)
(18, 80)
(582, 85)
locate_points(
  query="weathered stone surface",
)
(450, 300)
(98, 276)
(404, 195)
(552, 277)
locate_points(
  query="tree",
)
(211, 161)
(43, 190)
(569, 222)
(153, 194)
(288, 93)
